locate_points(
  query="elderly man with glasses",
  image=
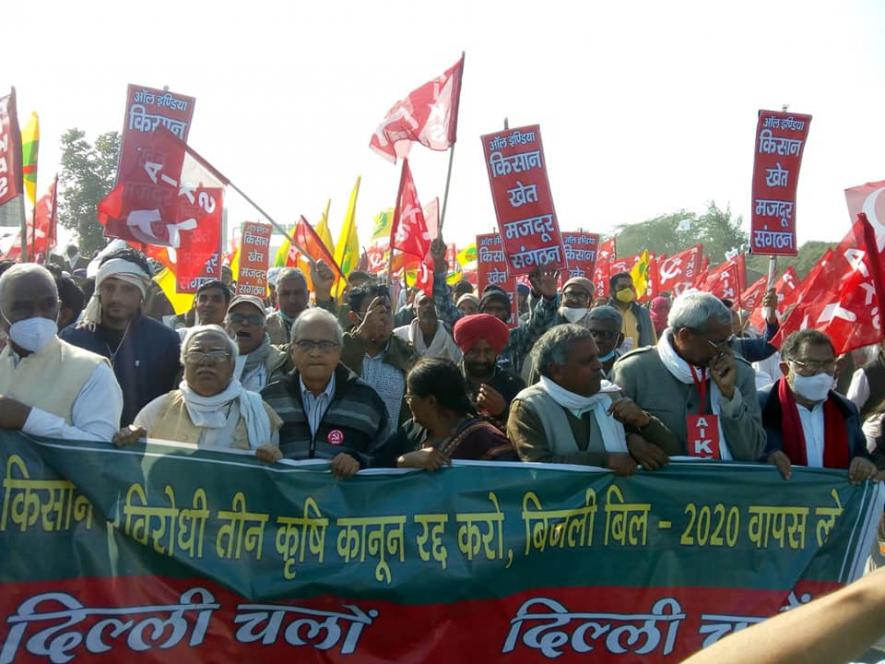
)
(692, 382)
(210, 408)
(328, 412)
(806, 422)
(259, 362)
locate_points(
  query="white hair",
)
(695, 310)
(316, 314)
(193, 332)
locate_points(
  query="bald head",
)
(27, 290)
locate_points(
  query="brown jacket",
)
(400, 354)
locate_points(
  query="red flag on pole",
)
(843, 296)
(786, 289)
(41, 231)
(408, 232)
(170, 198)
(602, 272)
(307, 240)
(751, 298)
(678, 272)
(10, 150)
(429, 116)
(724, 281)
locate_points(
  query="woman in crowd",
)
(210, 409)
(444, 424)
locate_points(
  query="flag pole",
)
(23, 229)
(442, 216)
(272, 221)
(453, 134)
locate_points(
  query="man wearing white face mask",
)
(575, 299)
(49, 387)
(806, 422)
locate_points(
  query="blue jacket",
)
(146, 362)
(756, 349)
(770, 406)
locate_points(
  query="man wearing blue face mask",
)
(805, 421)
(47, 386)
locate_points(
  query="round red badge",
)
(335, 437)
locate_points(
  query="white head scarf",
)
(118, 268)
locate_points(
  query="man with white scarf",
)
(143, 352)
(692, 382)
(427, 334)
(259, 363)
(210, 408)
(571, 415)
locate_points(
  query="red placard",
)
(491, 264)
(580, 254)
(146, 109)
(780, 142)
(254, 258)
(211, 272)
(10, 150)
(523, 204)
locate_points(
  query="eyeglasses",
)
(210, 357)
(603, 334)
(815, 366)
(324, 346)
(725, 343)
(250, 319)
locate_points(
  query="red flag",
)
(602, 272)
(306, 240)
(678, 273)
(10, 150)
(41, 229)
(751, 298)
(786, 289)
(429, 115)
(724, 281)
(842, 297)
(408, 232)
(171, 198)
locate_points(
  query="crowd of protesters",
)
(92, 352)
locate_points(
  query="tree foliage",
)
(87, 175)
(716, 229)
(720, 233)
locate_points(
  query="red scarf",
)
(793, 437)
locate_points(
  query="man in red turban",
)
(481, 337)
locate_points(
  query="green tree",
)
(716, 229)
(87, 175)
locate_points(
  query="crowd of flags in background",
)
(841, 294)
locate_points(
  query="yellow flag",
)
(347, 251)
(235, 259)
(30, 145)
(323, 231)
(180, 302)
(639, 274)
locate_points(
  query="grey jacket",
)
(646, 380)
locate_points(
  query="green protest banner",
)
(161, 552)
